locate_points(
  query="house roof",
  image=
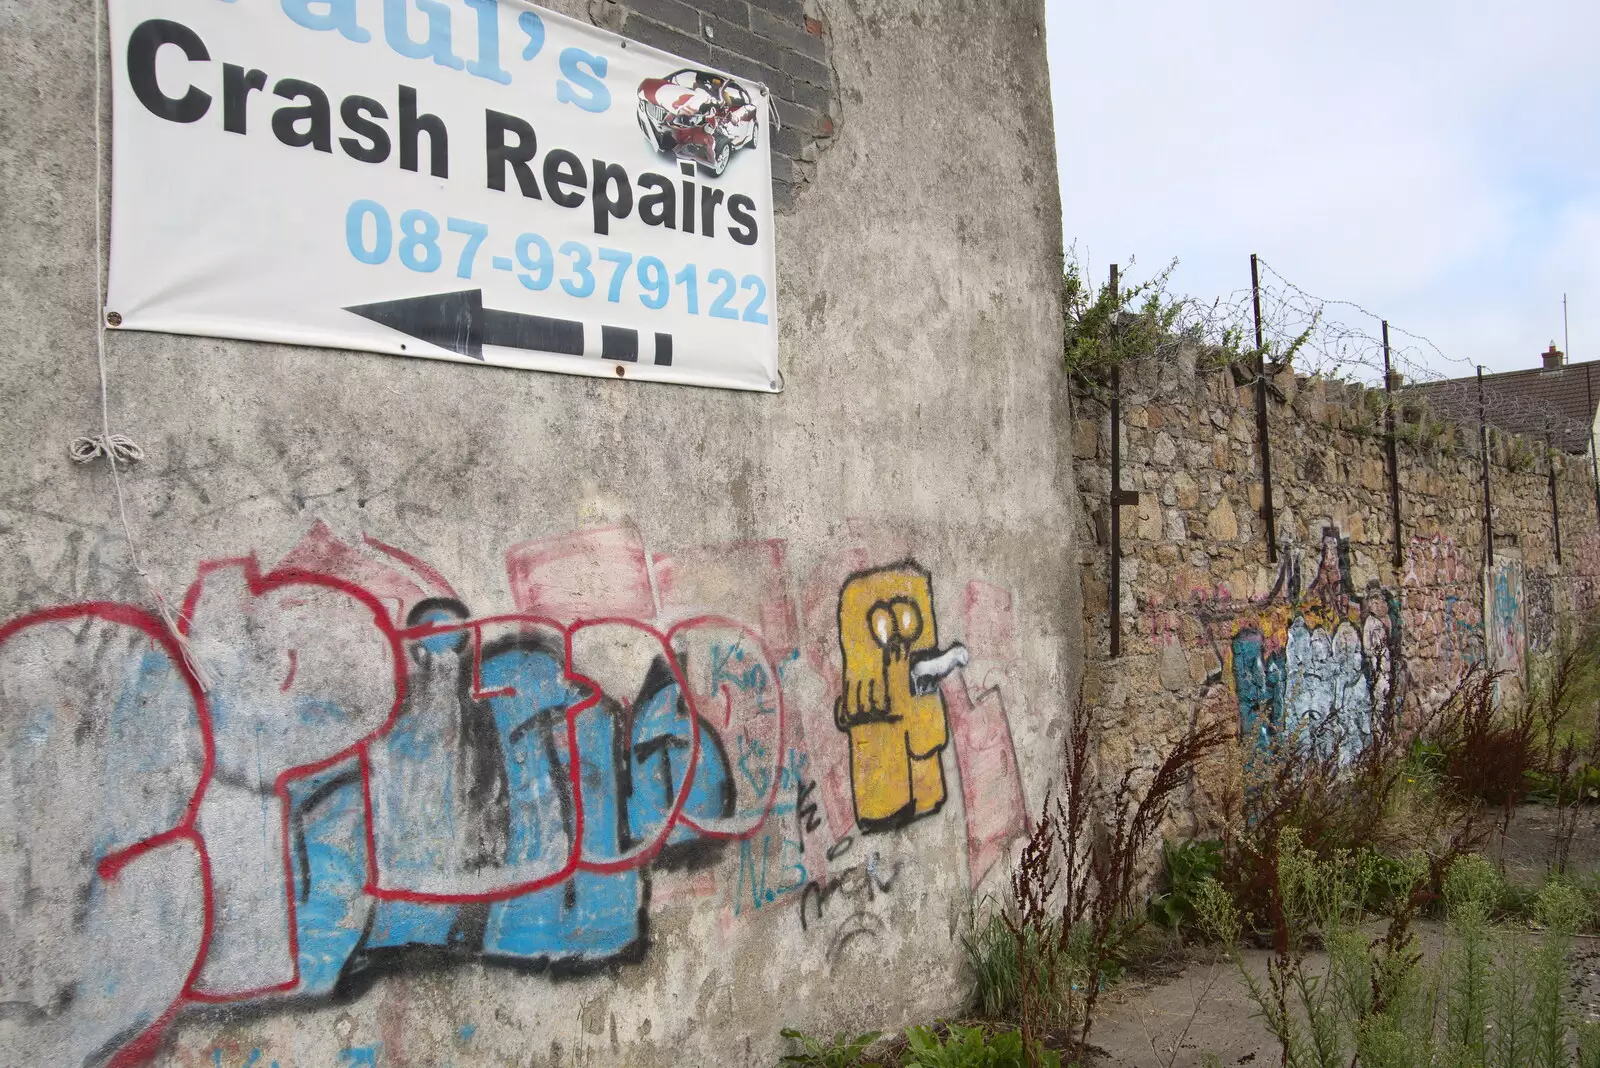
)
(1528, 402)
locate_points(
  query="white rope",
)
(116, 447)
(90, 448)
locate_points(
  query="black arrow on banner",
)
(460, 323)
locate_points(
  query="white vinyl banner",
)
(472, 180)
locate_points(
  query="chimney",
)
(1554, 358)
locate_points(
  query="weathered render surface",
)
(517, 743)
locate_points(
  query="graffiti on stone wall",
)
(1322, 657)
(376, 774)
(1583, 556)
(1441, 609)
(1310, 661)
(1508, 646)
(1539, 611)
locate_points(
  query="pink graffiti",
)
(991, 785)
(309, 671)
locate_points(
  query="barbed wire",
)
(1342, 340)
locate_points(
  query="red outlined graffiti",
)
(576, 861)
(719, 620)
(421, 567)
(298, 584)
(259, 586)
(114, 863)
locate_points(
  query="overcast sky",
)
(1435, 161)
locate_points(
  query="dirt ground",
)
(1170, 1023)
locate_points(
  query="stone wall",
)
(1211, 627)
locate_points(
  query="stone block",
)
(1149, 526)
(1222, 524)
(1172, 667)
(1176, 528)
(1185, 491)
(1086, 439)
(1165, 450)
(1096, 601)
(1222, 455)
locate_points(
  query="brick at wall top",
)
(779, 43)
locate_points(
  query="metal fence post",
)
(1488, 519)
(1119, 496)
(1594, 453)
(1390, 447)
(1261, 418)
(1555, 503)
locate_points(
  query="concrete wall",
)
(1328, 636)
(360, 843)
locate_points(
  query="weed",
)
(1105, 327)
(970, 1047)
(1471, 888)
(1066, 955)
(1187, 865)
(1489, 1001)
(1589, 1045)
(991, 949)
(842, 1051)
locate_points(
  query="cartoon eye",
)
(882, 621)
(907, 619)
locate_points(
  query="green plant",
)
(1074, 888)
(1187, 865)
(1579, 785)
(1589, 1045)
(1000, 963)
(990, 952)
(1417, 426)
(1471, 888)
(1521, 455)
(842, 1051)
(1104, 327)
(1359, 1008)
(970, 1047)
(1488, 1001)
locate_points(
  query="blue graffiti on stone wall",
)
(1311, 667)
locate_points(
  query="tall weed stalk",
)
(1073, 894)
(1490, 1000)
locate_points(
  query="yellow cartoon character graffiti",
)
(891, 705)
